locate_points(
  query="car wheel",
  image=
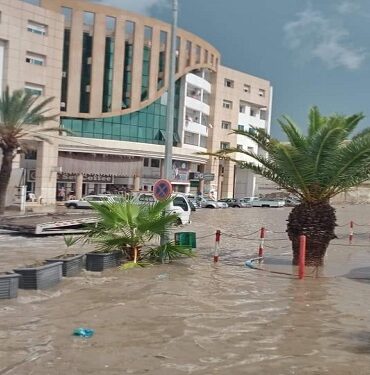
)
(178, 221)
(72, 206)
(210, 207)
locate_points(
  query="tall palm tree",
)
(315, 167)
(20, 113)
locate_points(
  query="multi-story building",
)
(108, 70)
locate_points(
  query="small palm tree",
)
(128, 224)
(315, 167)
(20, 111)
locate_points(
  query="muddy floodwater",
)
(194, 317)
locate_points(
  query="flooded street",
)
(194, 317)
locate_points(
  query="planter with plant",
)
(72, 263)
(128, 226)
(40, 276)
(9, 285)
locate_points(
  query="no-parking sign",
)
(162, 189)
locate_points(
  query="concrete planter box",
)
(40, 277)
(72, 264)
(9, 285)
(97, 261)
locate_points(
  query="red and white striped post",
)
(217, 246)
(262, 242)
(302, 256)
(350, 232)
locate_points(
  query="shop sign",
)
(209, 176)
(94, 178)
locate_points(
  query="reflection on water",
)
(194, 317)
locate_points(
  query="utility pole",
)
(167, 167)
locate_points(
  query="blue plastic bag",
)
(83, 332)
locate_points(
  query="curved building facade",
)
(113, 79)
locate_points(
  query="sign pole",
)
(171, 96)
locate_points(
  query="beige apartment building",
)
(107, 69)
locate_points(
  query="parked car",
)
(291, 202)
(249, 199)
(265, 202)
(210, 203)
(236, 202)
(85, 201)
(179, 205)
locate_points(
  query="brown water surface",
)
(194, 317)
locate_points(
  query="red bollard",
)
(217, 246)
(262, 241)
(350, 232)
(302, 256)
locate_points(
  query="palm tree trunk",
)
(5, 171)
(317, 222)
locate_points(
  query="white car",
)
(85, 201)
(178, 205)
(210, 203)
(264, 202)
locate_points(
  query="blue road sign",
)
(162, 189)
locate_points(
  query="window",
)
(224, 145)
(34, 59)
(225, 125)
(145, 72)
(154, 163)
(194, 92)
(30, 155)
(127, 64)
(162, 59)
(206, 97)
(206, 56)
(229, 83)
(37, 28)
(191, 138)
(67, 13)
(181, 202)
(250, 149)
(146, 162)
(203, 141)
(261, 93)
(263, 114)
(205, 119)
(192, 115)
(178, 47)
(242, 107)
(198, 52)
(34, 89)
(241, 127)
(239, 147)
(247, 88)
(188, 52)
(253, 112)
(227, 104)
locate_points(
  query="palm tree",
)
(126, 223)
(20, 111)
(314, 167)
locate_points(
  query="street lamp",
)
(167, 167)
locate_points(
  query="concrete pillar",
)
(228, 180)
(46, 172)
(79, 182)
(137, 183)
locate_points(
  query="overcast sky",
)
(313, 52)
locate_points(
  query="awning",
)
(85, 163)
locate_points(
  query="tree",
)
(314, 167)
(20, 113)
(126, 223)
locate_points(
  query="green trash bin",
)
(186, 239)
